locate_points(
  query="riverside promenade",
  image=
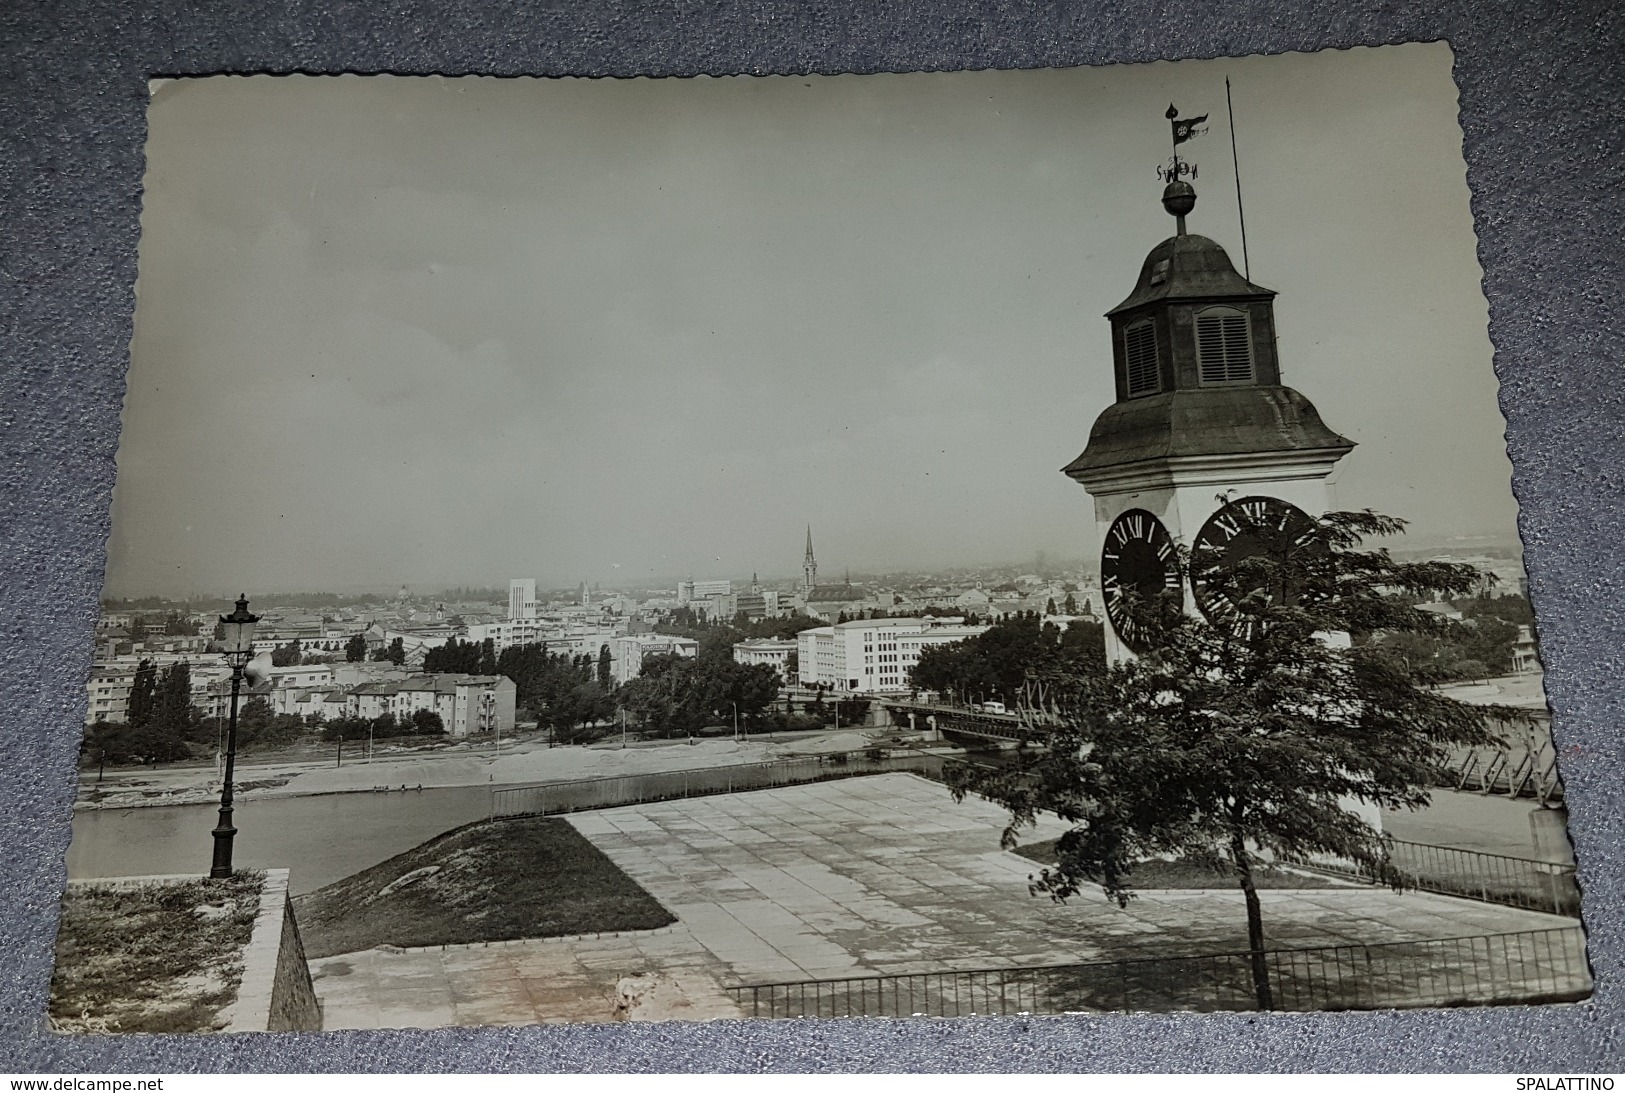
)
(883, 874)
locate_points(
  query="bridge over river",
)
(1523, 764)
(963, 721)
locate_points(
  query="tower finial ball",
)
(1179, 198)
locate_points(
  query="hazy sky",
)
(451, 331)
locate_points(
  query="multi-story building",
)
(466, 704)
(512, 632)
(873, 655)
(628, 652)
(290, 684)
(1525, 651)
(110, 681)
(717, 607)
(773, 652)
(521, 599)
(109, 689)
(689, 591)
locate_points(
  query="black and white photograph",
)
(592, 550)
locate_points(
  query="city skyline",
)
(623, 331)
(1056, 567)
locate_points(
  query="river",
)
(319, 839)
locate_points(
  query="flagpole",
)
(1246, 266)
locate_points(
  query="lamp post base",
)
(223, 836)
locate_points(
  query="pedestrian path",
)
(863, 876)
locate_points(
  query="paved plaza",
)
(856, 877)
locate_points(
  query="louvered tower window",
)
(1140, 359)
(1224, 346)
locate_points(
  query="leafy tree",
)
(1233, 744)
(138, 628)
(677, 696)
(792, 666)
(284, 655)
(488, 658)
(356, 648)
(606, 668)
(173, 715)
(396, 654)
(852, 711)
(177, 624)
(782, 628)
(1071, 604)
(1474, 648)
(1049, 607)
(259, 729)
(428, 723)
(458, 656)
(142, 688)
(1510, 607)
(1000, 662)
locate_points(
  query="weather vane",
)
(1184, 129)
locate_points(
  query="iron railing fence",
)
(1492, 878)
(1523, 967)
(558, 797)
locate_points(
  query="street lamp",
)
(237, 643)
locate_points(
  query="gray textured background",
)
(1541, 107)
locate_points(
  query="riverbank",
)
(529, 762)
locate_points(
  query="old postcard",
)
(931, 544)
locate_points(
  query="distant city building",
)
(717, 607)
(1525, 652)
(467, 704)
(505, 634)
(873, 655)
(521, 599)
(109, 689)
(773, 652)
(830, 601)
(714, 599)
(627, 653)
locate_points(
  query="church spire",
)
(809, 565)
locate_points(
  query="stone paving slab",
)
(866, 876)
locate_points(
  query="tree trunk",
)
(1255, 924)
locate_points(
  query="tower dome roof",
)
(1189, 267)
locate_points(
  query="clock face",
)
(1251, 527)
(1140, 578)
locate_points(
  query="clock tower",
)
(1203, 444)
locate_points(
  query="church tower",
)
(809, 566)
(1202, 430)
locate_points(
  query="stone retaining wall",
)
(276, 993)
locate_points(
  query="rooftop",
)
(1189, 266)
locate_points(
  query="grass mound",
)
(160, 957)
(1175, 875)
(496, 880)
